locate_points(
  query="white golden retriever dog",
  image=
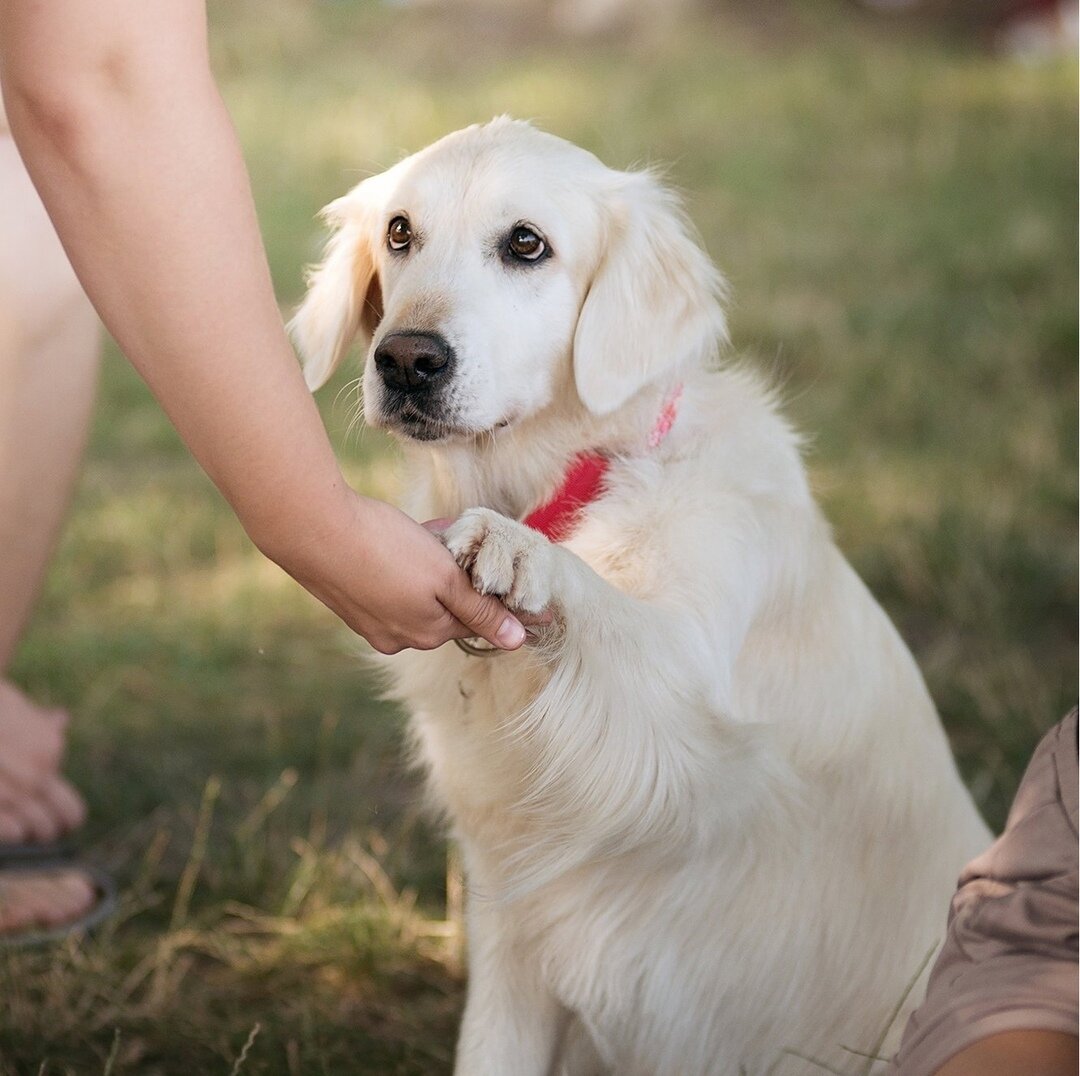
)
(710, 816)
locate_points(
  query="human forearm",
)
(136, 159)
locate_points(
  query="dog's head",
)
(486, 270)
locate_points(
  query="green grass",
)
(898, 219)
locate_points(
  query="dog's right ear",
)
(343, 300)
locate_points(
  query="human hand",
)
(531, 615)
(392, 581)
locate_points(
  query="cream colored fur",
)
(711, 815)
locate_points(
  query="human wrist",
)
(296, 530)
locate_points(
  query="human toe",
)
(47, 898)
(42, 826)
(12, 828)
(64, 803)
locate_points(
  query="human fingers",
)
(481, 614)
(437, 526)
(535, 620)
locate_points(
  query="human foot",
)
(43, 898)
(37, 805)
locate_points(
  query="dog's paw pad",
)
(503, 557)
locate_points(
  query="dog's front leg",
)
(634, 718)
(512, 1024)
(681, 646)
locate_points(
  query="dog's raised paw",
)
(504, 558)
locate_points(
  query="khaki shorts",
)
(1009, 961)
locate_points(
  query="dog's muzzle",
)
(416, 370)
(414, 363)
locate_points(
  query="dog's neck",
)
(515, 470)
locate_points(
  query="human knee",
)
(38, 287)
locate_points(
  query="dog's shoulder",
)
(740, 437)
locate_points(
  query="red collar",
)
(584, 480)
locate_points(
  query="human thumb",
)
(484, 615)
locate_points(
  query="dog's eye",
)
(399, 234)
(525, 244)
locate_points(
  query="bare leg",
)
(49, 357)
(1041, 1053)
(49, 349)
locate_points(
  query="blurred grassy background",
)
(897, 214)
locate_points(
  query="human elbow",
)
(70, 108)
(53, 114)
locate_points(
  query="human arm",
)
(117, 116)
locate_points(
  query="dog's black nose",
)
(410, 362)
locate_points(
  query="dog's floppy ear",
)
(343, 299)
(654, 302)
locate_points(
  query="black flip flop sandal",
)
(18, 854)
(41, 859)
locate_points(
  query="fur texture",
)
(710, 815)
